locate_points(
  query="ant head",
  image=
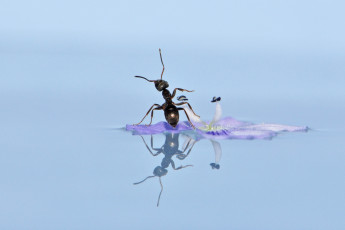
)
(160, 171)
(161, 85)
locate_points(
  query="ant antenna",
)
(145, 78)
(160, 54)
(159, 197)
(143, 180)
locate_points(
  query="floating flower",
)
(218, 128)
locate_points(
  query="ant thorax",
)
(166, 95)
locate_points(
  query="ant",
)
(170, 110)
(169, 149)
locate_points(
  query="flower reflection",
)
(218, 154)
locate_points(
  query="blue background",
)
(66, 85)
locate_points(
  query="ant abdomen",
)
(171, 115)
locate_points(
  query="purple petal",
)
(277, 128)
(159, 127)
(230, 128)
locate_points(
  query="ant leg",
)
(182, 152)
(190, 149)
(147, 114)
(174, 92)
(153, 154)
(183, 103)
(159, 108)
(187, 116)
(156, 149)
(186, 146)
(178, 168)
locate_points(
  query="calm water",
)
(66, 162)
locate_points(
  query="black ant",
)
(170, 110)
(169, 149)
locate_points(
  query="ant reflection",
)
(170, 149)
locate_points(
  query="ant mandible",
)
(170, 110)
